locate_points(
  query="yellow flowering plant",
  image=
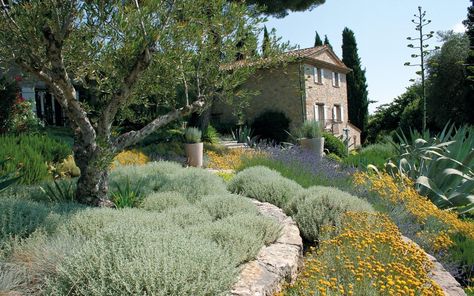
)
(229, 160)
(440, 232)
(129, 157)
(363, 258)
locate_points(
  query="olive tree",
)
(124, 51)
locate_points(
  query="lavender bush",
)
(302, 166)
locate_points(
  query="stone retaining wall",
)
(279, 262)
(442, 277)
(275, 264)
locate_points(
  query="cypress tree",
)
(326, 41)
(317, 40)
(357, 94)
(469, 96)
(266, 42)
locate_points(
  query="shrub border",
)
(275, 264)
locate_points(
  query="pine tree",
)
(266, 42)
(317, 40)
(326, 41)
(357, 94)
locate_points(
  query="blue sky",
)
(380, 27)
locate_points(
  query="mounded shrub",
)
(334, 145)
(241, 235)
(148, 178)
(89, 222)
(186, 215)
(160, 201)
(137, 260)
(319, 206)
(271, 125)
(224, 205)
(194, 183)
(265, 185)
(19, 218)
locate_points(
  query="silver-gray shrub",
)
(186, 215)
(241, 235)
(195, 183)
(12, 279)
(265, 185)
(19, 218)
(89, 222)
(224, 205)
(160, 201)
(136, 260)
(150, 176)
(320, 206)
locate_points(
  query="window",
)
(336, 79)
(337, 115)
(319, 113)
(318, 75)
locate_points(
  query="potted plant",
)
(311, 137)
(193, 146)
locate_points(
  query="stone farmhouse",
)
(312, 86)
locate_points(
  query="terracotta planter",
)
(316, 145)
(194, 154)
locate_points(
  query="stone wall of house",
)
(327, 95)
(276, 89)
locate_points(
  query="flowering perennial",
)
(231, 160)
(130, 157)
(423, 210)
(367, 257)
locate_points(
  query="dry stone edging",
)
(441, 276)
(275, 264)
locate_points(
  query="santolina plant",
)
(363, 258)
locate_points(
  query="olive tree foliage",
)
(123, 52)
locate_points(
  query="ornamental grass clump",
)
(160, 201)
(192, 135)
(368, 256)
(194, 183)
(224, 205)
(264, 185)
(318, 207)
(310, 129)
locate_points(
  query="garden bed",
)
(188, 236)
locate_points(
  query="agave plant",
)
(244, 134)
(6, 180)
(441, 166)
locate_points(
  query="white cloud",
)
(459, 28)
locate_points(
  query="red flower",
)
(18, 78)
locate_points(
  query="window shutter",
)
(333, 78)
(324, 112)
(315, 74)
(339, 77)
(316, 112)
(322, 76)
(342, 113)
(334, 113)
